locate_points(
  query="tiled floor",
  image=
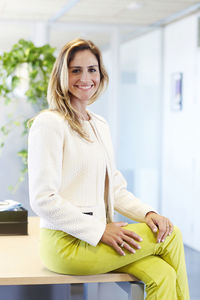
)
(193, 269)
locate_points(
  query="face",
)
(83, 76)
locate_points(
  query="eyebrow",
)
(81, 67)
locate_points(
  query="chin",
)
(80, 97)
(85, 98)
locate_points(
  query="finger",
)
(171, 228)
(166, 232)
(129, 248)
(131, 241)
(152, 225)
(120, 224)
(118, 249)
(132, 234)
(162, 231)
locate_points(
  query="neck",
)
(81, 108)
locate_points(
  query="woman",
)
(74, 188)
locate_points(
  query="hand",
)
(118, 237)
(157, 222)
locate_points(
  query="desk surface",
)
(20, 263)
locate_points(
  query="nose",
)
(85, 76)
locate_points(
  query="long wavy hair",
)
(58, 95)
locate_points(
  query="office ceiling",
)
(141, 12)
(18, 18)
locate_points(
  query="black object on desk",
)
(14, 222)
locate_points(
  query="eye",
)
(91, 70)
(75, 71)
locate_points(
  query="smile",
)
(84, 87)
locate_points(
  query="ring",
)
(122, 244)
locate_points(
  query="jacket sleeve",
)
(124, 201)
(45, 156)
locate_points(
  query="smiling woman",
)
(78, 73)
(75, 188)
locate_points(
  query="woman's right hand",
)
(118, 237)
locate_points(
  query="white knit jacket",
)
(64, 182)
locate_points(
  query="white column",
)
(40, 34)
(114, 85)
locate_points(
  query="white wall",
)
(181, 134)
(139, 115)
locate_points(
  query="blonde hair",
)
(58, 95)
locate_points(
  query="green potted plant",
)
(24, 74)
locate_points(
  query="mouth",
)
(84, 87)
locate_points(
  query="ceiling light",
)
(134, 5)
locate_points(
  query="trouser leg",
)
(164, 271)
(158, 276)
(173, 253)
(65, 254)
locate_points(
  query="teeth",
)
(84, 87)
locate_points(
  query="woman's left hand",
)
(157, 222)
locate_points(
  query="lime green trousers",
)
(161, 266)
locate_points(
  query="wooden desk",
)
(20, 264)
